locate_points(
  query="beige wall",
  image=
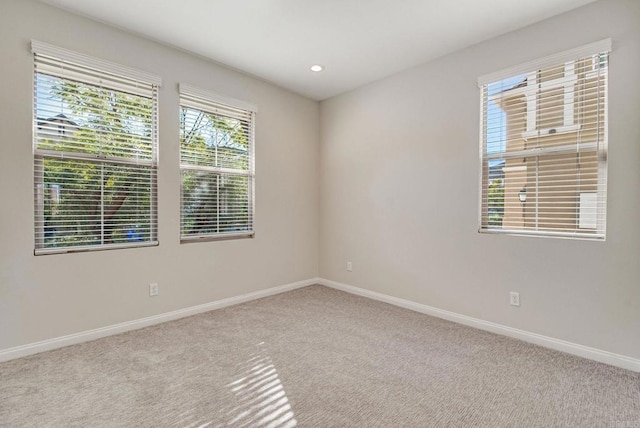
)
(49, 296)
(400, 183)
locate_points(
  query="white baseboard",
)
(606, 357)
(85, 336)
(538, 339)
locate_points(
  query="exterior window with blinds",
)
(95, 153)
(216, 163)
(544, 146)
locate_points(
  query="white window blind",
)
(217, 166)
(95, 151)
(544, 146)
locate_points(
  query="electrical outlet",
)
(153, 289)
(514, 298)
(349, 266)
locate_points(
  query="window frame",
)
(60, 57)
(206, 101)
(600, 148)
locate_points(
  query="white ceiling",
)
(358, 41)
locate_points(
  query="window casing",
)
(543, 146)
(95, 153)
(216, 165)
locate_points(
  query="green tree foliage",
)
(213, 200)
(100, 191)
(496, 202)
(94, 198)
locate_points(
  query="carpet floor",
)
(314, 357)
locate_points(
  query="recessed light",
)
(317, 67)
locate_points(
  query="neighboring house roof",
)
(54, 127)
(519, 85)
(496, 170)
(61, 119)
(499, 97)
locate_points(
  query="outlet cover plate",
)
(514, 298)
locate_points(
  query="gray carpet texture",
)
(314, 357)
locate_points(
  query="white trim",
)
(569, 92)
(84, 248)
(85, 336)
(189, 90)
(548, 61)
(606, 357)
(221, 236)
(514, 168)
(52, 51)
(585, 236)
(542, 151)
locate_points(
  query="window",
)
(543, 146)
(216, 163)
(95, 153)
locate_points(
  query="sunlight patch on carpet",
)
(261, 396)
